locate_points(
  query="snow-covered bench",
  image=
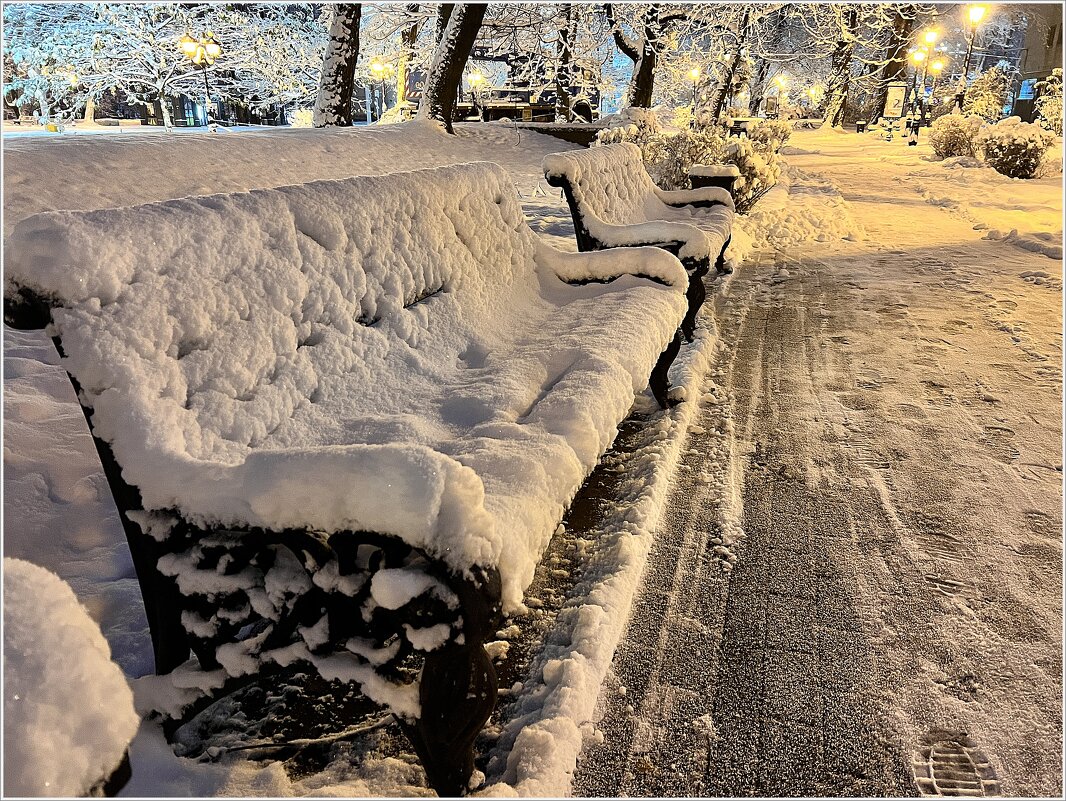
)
(615, 203)
(344, 418)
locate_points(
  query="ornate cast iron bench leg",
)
(458, 691)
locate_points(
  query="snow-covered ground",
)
(896, 373)
(895, 611)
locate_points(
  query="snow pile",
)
(406, 335)
(1040, 242)
(1014, 148)
(802, 209)
(621, 206)
(68, 712)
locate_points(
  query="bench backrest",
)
(609, 181)
(381, 241)
(200, 308)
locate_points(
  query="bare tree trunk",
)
(446, 71)
(758, 86)
(775, 21)
(333, 104)
(896, 54)
(563, 73)
(90, 109)
(642, 53)
(164, 108)
(444, 13)
(408, 40)
(722, 90)
(642, 86)
(839, 79)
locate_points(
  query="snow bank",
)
(620, 204)
(259, 355)
(68, 712)
(800, 210)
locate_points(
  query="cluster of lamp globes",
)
(201, 52)
(923, 55)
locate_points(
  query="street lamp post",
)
(203, 52)
(975, 13)
(475, 79)
(936, 67)
(917, 56)
(694, 74)
(930, 39)
(380, 70)
(781, 81)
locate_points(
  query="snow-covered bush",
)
(676, 155)
(770, 131)
(1049, 102)
(1014, 148)
(953, 135)
(669, 156)
(988, 94)
(301, 118)
(760, 170)
(68, 712)
(638, 126)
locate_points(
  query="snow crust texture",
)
(68, 712)
(395, 354)
(621, 205)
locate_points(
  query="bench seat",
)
(396, 355)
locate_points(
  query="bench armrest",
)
(688, 241)
(699, 198)
(652, 263)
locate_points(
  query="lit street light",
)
(202, 53)
(976, 13)
(694, 74)
(475, 80)
(917, 56)
(380, 70)
(937, 66)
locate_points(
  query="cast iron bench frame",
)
(457, 687)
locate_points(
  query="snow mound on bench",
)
(395, 354)
(68, 712)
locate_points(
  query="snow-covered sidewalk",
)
(896, 595)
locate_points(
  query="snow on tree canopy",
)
(398, 354)
(68, 712)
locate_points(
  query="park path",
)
(892, 622)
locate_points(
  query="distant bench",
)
(614, 203)
(342, 420)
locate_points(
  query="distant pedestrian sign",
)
(897, 93)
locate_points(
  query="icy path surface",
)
(892, 625)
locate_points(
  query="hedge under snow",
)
(398, 354)
(68, 712)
